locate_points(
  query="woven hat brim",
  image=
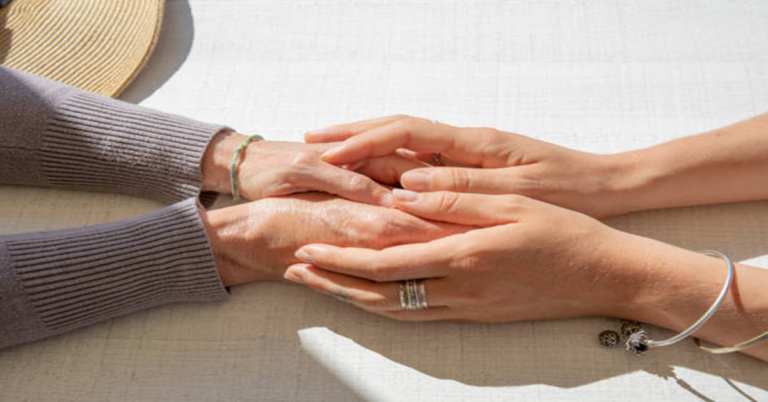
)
(96, 45)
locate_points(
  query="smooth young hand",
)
(530, 260)
(484, 160)
(534, 261)
(727, 164)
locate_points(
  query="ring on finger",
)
(436, 159)
(413, 294)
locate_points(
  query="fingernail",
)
(405, 195)
(303, 255)
(293, 275)
(386, 200)
(418, 181)
(306, 253)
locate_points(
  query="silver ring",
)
(413, 294)
(436, 159)
(436, 155)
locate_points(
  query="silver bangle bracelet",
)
(635, 337)
(693, 328)
(735, 348)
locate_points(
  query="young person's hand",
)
(257, 240)
(530, 260)
(727, 164)
(534, 261)
(483, 160)
(274, 168)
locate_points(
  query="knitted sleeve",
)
(55, 135)
(53, 282)
(58, 136)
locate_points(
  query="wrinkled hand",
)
(274, 168)
(257, 240)
(531, 260)
(484, 160)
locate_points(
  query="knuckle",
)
(402, 125)
(512, 198)
(381, 273)
(386, 229)
(394, 229)
(357, 183)
(471, 295)
(471, 262)
(303, 159)
(531, 184)
(488, 133)
(515, 200)
(459, 179)
(447, 202)
(407, 124)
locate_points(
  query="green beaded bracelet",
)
(236, 160)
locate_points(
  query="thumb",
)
(461, 208)
(464, 180)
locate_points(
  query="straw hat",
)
(96, 45)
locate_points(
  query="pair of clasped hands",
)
(501, 230)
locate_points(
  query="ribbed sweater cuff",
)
(69, 279)
(101, 144)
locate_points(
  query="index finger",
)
(411, 133)
(344, 183)
(341, 132)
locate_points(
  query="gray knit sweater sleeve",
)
(58, 136)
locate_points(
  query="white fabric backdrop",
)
(600, 76)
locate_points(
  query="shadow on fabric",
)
(275, 341)
(172, 49)
(565, 353)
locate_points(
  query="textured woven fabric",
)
(599, 76)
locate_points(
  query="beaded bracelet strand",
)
(236, 160)
(635, 337)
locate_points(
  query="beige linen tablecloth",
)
(601, 76)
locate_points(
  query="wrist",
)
(237, 240)
(680, 285)
(217, 160)
(631, 177)
(664, 285)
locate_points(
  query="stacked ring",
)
(413, 294)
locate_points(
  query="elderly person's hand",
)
(534, 261)
(274, 168)
(257, 240)
(485, 160)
